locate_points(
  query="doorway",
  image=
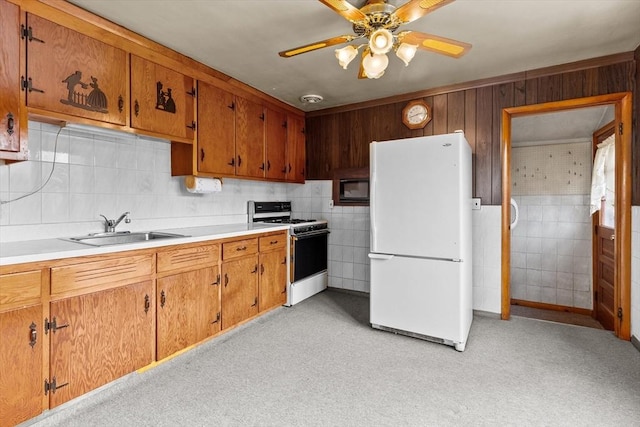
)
(621, 103)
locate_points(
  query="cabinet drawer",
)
(205, 256)
(20, 288)
(103, 274)
(276, 241)
(239, 248)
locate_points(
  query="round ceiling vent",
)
(311, 99)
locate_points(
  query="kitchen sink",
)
(122, 237)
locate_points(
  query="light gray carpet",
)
(320, 364)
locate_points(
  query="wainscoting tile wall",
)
(551, 251)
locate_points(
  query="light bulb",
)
(381, 41)
(406, 52)
(374, 65)
(346, 55)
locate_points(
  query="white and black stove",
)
(307, 248)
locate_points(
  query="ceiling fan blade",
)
(345, 9)
(415, 9)
(435, 44)
(314, 46)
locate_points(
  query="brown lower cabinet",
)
(99, 337)
(72, 326)
(188, 309)
(239, 290)
(20, 364)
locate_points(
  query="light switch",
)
(476, 203)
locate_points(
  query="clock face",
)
(416, 114)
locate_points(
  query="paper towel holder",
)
(191, 182)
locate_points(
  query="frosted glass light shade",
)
(406, 52)
(374, 65)
(346, 55)
(381, 41)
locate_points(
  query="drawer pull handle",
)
(33, 335)
(241, 248)
(136, 108)
(163, 299)
(10, 124)
(147, 303)
(273, 242)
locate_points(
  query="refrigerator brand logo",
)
(446, 145)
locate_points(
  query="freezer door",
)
(421, 196)
(421, 296)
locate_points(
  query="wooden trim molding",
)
(623, 117)
(491, 81)
(554, 307)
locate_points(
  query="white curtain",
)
(606, 150)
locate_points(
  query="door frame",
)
(623, 118)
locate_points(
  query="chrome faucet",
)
(110, 224)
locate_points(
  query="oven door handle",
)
(309, 234)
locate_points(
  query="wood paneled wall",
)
(339, 138)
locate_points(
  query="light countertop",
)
(51, 249)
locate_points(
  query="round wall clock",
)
(416, 114)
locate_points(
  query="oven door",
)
(309, 254)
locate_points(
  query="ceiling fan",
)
(378, 21)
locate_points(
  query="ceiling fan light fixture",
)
(346, 55)
(374, 65)
(381, 41)
(406, 52)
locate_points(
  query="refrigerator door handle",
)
(372, 199)
(384, 257)
(516, 211)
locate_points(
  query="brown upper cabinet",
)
(216, 130)
(230, 134)
(275, 144)
(10, 142)
(162, 100)
(250, 120)
(296, 150)
(70, 73)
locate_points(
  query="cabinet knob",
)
(147, 303)
(239, 160)
(136, 108)
(120, 103)
(255, 269)
(255, 302)
(33, 335)
(163, 299)
(226, 279)
(202, 155)
(261, 269)
(268, 165)
(10, 123)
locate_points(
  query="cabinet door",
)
(99, 338)
(239, 290)
(273, 279)
(9, 78)
(275, 144)
(21, 364)
(188, 309)
(74, 74)
(249, 138)
(296, 155)
(216, 130)
(161, 99)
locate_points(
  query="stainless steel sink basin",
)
(122, 237)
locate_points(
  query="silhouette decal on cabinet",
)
(164, 100)
(95, 100)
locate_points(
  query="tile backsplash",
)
(96, 174)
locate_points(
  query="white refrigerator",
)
(421, 267)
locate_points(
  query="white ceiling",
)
(576, 125)
(242, 38)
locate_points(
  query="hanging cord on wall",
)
(34, 191)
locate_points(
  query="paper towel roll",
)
(196, 184)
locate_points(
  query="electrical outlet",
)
(476, 203)
(331, 204)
